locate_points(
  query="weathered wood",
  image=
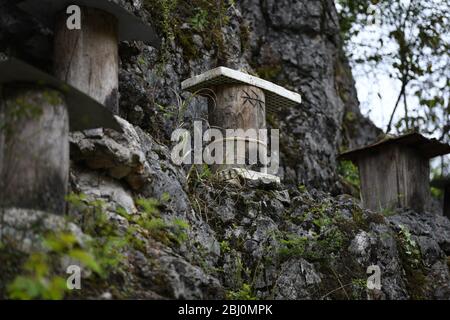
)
(414, 179)
(394, 177)
(34, 146)
(378, 177)
(238, 107)
(88, 58)
(447, 202)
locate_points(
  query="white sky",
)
(377, 92)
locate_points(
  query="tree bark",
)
(88, 59)
(34, 146)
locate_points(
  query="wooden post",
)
(447, 201)
(88, 58)
(34, 143)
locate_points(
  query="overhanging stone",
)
(130, 26)
(84, 112)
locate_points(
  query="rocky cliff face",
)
(183, 233)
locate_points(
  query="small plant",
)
(150, 220)
(412, 263)
(199, 22)
(37, 283)
(149, 206)
(245, 293)
(225, 246)
(349, 172)
(410, 246)
(42, 271)
(293, 246)
(179, 230)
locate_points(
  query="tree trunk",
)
(88, 59)
(239, 107)
(34, 146)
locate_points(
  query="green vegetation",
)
(23, 108)
(149, 219)
(225, 247)
(41, 279)
(349, 172)
(203, 17)
(244, 293)
(412, 263)
(408, 40)
(99, 253)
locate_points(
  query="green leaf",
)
(86, 259)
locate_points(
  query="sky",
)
(377, 91)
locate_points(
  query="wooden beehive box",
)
(395, 171)
(444, 184)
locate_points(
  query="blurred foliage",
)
(349, 172)
(244, 293)
(99, 251)
(409, 39)
(98, 254)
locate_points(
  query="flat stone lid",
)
(84, 112)
(428, 148)
(276, 96)
(234, 174)
(130, 26)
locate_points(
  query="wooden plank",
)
(34, 144)
(416, 195)
(378, 175)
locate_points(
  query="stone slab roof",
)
(84, 112)
(429, 148)
(130, 26)
(276, 96)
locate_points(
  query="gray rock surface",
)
(263, 241)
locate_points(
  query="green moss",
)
(358, 218)
(269, 72)
(203, 17)
(244, 30)
(184, 38)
